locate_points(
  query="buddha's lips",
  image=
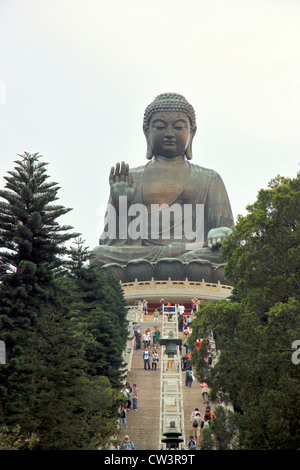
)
(169, 142)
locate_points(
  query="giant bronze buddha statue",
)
(166, 218)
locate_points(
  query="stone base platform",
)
(174, 291)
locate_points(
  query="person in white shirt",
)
(146, 339)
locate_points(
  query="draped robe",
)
(199, 186)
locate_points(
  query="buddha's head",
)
(169, 126)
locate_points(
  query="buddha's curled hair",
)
(170, 102)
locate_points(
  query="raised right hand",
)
(121, 183)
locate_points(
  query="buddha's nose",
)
(170, 133)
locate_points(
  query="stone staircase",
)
(143, 425)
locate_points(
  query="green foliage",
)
(14, 439)
(78, 258)
(29, 229)
(223, 432)
(31, 242)
(262, 252)
(56, 329)
(207, 441)
(102, 311)
(255, 329)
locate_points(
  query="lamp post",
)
(172, 439)
(171, 344)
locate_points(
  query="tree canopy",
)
(64, 325)
(255, 330)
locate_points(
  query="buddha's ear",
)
(189, 153)
(149, 153)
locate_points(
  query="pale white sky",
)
(77, 75)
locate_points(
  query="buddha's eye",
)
(159, 125)
(180, 125)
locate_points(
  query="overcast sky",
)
(77, 75)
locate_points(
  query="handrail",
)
(171, 396)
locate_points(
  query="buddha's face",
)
(169, 134)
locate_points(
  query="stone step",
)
(143, 425)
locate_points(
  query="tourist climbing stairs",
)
(145, 426)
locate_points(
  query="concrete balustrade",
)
(174, 290)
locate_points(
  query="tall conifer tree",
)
(45, 390)
(32, 244)
(103, 312)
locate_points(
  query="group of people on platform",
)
(165, 306)
(179, 308)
